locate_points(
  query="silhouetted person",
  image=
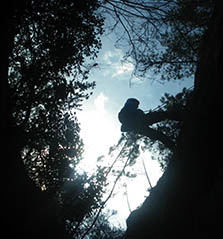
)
(135, 120)
(132, 118)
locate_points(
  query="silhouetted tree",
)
(47, 78)
(168, 119)
(194, 176)
(163, 36)
(51, 41)
(48, 44)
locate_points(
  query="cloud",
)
(123, 68)
(117, 67)
(111, 57)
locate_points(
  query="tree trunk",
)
(188, 197)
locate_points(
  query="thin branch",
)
(147, 176)
(141, 6)
(129, 36)
(125, 11)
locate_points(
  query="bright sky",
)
(100, 128)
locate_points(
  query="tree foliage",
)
(102, 228)
(163, 36)
(194, 177)
(181, 102)
(47, 81)
(51, 41)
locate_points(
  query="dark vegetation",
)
(45, 81)
(47, 51)
(187, 200)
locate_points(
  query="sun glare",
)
(100, 130)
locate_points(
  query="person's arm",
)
(158, 116)
(157, 135)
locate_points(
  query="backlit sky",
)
(100, 128)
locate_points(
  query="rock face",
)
(188, 198)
